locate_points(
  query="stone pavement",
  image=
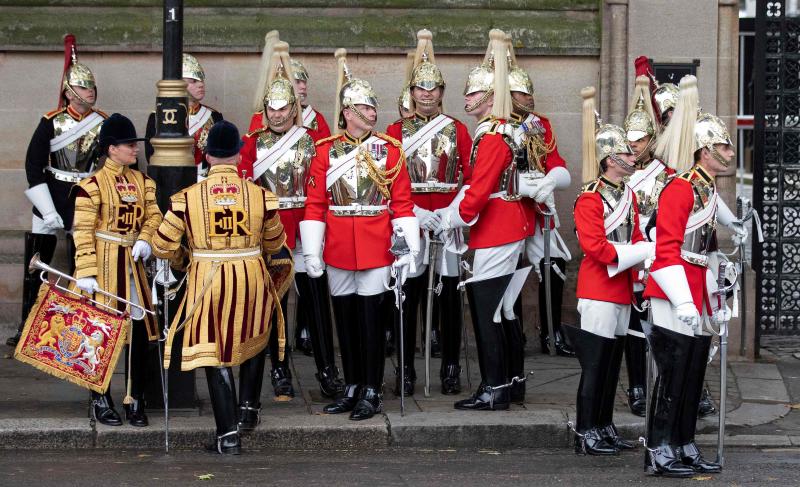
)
(37, 411)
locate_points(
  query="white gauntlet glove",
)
(87, 284)
(687, 313)
(141, 251)
(428, 220)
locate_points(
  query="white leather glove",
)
(687, 313)
(543, 188)
(739, 233)
(428, 220)
(53, 221)
(314, 266)
(141, 251)
(402, 266)
(87, 284)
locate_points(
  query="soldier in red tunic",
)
(491, 207)
(543, 169)
(437, 149)
(359, 193)
(678, 286)
(607, 226)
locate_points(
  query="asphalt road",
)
(384, 467)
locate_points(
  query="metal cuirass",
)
(647, 193)
(699, 240)
(355, 187)
(507, 185)
(435, 161)
(612, 197)
(286, 177)
(79, 156)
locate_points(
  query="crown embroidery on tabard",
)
(127, 191)
(225, 193)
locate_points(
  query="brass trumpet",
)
(37, 264)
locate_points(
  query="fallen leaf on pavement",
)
(209, 476)
(703, 477)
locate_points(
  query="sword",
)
(166, 278)
(399, 248)
(433, 246)
(723, 316)
(548, 304)
(462, 269)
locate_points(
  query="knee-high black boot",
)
(371, 325)
(556, 297)
(45, 246)
(281, 374)
(134, 412)
(315, 294)
(302, 331)
(687, 424)
(636, 362)
(484, 297)
(451, 318)
(251, 376)
(606, 416)
(515, 348)
(594, 354)
(413, 289)
(222, 389)
(347, 329)
(671, 351)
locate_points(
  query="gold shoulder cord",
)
(538, 149)
(383, 179)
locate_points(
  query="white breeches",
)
(496, 261)
(664, 316)
(364, 283)
(534, 247)
(603, 318)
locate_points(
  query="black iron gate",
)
(776, 190)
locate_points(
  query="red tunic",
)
(501, 221)
(317, 133)
(599, 253)
(434, 201)
(678, 197)
(552, 160)
(357, 242)
(290, 217)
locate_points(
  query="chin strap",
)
(360, 115)
(479, 102)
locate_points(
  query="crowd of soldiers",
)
(354, 215)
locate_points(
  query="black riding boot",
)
(134, 412)
(371, 325)
(484, 297)
(556, 296)
(606, 417)
(222, 389)
(706, 404)
(344, 312)
(281, 374)
(102, 409)
(515, 347)
(45, 246)
(452, 323)
(636, 362)
(687, 424)
(594, 354)
(413, 289)
(302, 332)
(251, 376)
(671, 352)
(315, 294)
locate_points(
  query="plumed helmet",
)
(192, 68)
(300, 71)
(666, 96)
(710, 130)
(610, 139)
(638, 123)
(519, 80)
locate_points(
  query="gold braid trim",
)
(326, 139)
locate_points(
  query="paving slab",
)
(744, 440)
(747, 370)
(45, 433)
(762, 390)
(752, 414)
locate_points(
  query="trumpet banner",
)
(71, 339)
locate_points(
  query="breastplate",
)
(356, 186)
(647, 193)
(435, 161)
(286, 177)
(613, 197)
(699, 240)
(507, 182)
(81, 154)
